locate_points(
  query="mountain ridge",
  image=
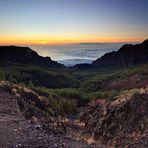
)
(25, 55)
(128, 55)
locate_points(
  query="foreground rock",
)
(122, 121)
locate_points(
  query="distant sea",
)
(71, 54)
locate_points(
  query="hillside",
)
(128, 55)
(23, 65)
(120, 121)
(16, 131)
(33, 119)
(10, 55)
(30, 119)
(37, 89)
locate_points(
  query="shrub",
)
(103, 94)
(31, 85)
(2, 75)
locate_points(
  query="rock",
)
(15, 130)
(40, 138)
(34, 120)
(18, 95)
(38, 126)
(26, 90)
(19, 88)
(18, 145)
(13, 91)
(91, 141)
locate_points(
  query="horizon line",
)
(72, 43)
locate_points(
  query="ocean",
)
(71, 54)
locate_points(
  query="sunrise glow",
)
(61, 22)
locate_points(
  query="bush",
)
(2, 75)
(103, 95)
(31, 85)
(64, 107)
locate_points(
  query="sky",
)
(72, 21)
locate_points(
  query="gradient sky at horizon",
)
(72, 21)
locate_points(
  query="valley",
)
(45, 104)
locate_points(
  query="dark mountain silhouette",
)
(127, 55)
(25, 55)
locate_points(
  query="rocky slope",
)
(24, 55)
(16, 131)
(120, 122)
(25, 121)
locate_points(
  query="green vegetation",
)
(2, 75)
(99, 80)
(64, 107)
(103, 94)
(50, 78)
(77, 95)
(68, 89)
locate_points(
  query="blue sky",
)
(53, 21)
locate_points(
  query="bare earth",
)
(15, 131)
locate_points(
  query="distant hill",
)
(72, 62)
(127, 55)
(25, 55)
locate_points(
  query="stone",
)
(34, 120)
(13, 91)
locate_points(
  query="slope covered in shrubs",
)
(121, 121)
(38, 76)
(46, 107)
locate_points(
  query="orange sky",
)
(72, 21)
(22, 40)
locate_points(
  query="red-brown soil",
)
(135, 81)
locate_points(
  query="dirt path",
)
(77, 136)
(15, 131)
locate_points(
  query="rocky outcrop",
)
(30, 102)
(121, 121)
(36, 106)
(24, 55)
